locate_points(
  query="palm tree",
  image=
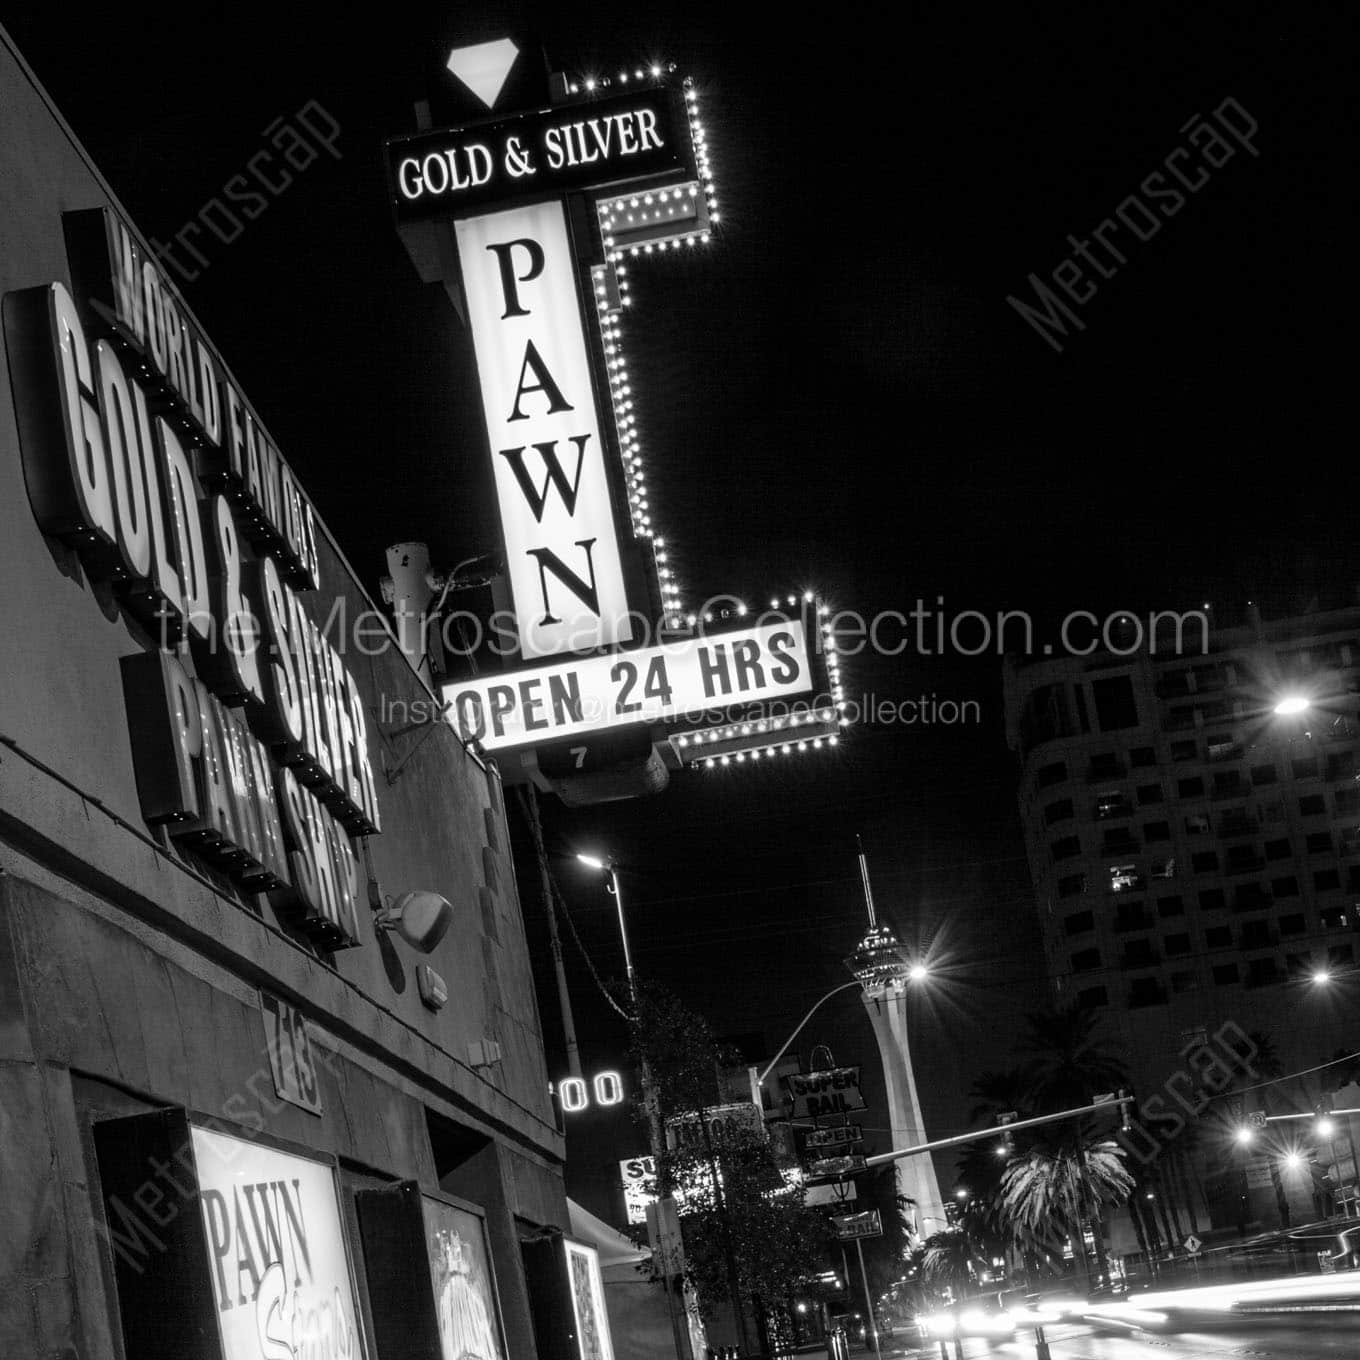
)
(1067, 1187)
(949, 1261)
(1066, 1059)
(1000, 1093)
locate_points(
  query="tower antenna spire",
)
(868, 890)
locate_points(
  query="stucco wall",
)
(121, 958)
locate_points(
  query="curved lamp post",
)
(649, 1102)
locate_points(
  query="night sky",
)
(835, 395)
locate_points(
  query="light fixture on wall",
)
(420, 918)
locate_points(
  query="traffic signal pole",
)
(870, 1319)
(1121, 1102)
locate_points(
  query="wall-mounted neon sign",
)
(574, 1094)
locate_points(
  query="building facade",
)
(198, 844)
(1195, 852)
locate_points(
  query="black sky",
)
(836, 395)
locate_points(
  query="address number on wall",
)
(290, 1054)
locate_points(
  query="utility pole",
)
(656, 1137)
(870, 1320)
(530, 803)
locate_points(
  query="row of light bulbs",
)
(783, 749)
(655, 205)
(701, 234)
(590, 84)
(701, 159)
(746, 729)
(662, 205)
(630, 446)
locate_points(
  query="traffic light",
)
(953, 1213)
(1006, 1148)
(1323, 1123)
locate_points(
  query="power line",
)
(1291, 1076)
(585, 954)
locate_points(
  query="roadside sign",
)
(816, 1095)
(847, 1227)
(837, 1136)
(726, 1124)
(834, 1168)
(638, 1175)
(1192, 1244)
(831, 1193)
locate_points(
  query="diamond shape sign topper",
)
(484, 67)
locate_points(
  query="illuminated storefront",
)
(223, 1053)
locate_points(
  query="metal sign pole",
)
(868, 1300)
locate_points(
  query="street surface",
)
(1309, 1337)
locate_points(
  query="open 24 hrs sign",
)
(646, 684)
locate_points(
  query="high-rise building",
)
(1191, 812)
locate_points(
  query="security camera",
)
(421, 918)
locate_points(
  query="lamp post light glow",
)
(1322, 977)
(1291, 705)
(1325, 1127)
(1244, 1135)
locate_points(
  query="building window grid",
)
(1330, 918)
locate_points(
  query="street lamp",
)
(1322, 977)
(1291, 705)
(916, 973)
(608, 866)
(649, 1101)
